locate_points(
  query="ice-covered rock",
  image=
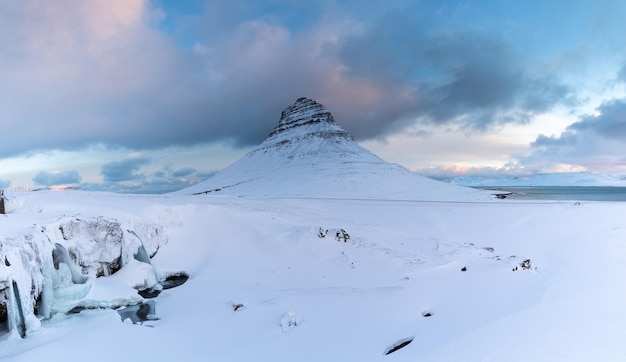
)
(53, 268)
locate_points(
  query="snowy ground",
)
(306, 298)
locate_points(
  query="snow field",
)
(350, 300)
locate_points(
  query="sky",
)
(152, 96)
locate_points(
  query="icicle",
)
(141, 254)
(61, 255)
(15, 311)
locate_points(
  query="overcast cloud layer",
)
(143, 76)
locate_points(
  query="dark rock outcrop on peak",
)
(303, 113)
(305, 121)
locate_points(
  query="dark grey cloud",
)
(566, 139)
(610, 121)
(594, 142)
(185, 171)
(205, 175)
(123, 178)
(470, 78)
(124, 170)
(151, 186)
(52, 178)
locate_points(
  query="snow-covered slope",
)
(549, 179)
(501, 281)
(309, 155)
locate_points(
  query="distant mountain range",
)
(548, 179)
(309, 155)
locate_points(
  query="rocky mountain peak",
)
(307, 117)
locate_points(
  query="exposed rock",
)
(237, 306)
(340, 234)
(171, 281)
(398, 345)
(306, 119)
(174, 280)
(525, 265)
(289, 320)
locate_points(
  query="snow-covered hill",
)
(309, 155)
(549, 179)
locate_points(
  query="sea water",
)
(578, 193)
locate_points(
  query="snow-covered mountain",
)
(549, 179)
(309, 155)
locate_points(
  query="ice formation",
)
(52, 269)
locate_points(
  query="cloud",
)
(450, 171)
(111, 72)
(595, 142)
(609, 121)
(205, 175)
(124, 170)
(185, 171)
(122, 177)
(151, 186)
(53, 178)
(470, 78)
(4, 184)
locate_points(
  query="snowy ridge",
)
(549, 179)
(309, 155)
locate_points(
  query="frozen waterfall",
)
(53, 269)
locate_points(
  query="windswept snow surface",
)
(302, 297)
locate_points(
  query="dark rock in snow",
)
(525, 265)
(237, 307)
(342, 235)
(171, 281)
(398, 345)
(174, 280)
